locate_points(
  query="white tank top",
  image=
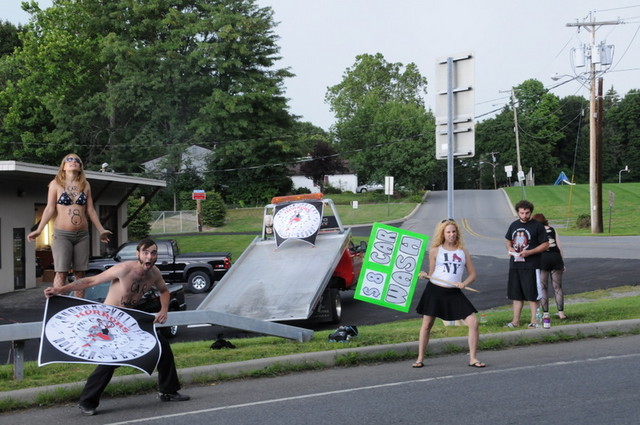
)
(449, 266)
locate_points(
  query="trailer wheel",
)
(335, 305)
(198, 282)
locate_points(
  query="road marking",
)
(373, 387)
(466, 226)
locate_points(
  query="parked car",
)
(149, 303)
(369, 187)
(200, 270)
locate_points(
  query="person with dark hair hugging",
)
(525, 240)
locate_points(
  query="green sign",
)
(391, 266)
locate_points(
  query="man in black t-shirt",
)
(525, 240)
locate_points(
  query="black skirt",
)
(445, 303)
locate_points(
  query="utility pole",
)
(595, 188)
(520, 173)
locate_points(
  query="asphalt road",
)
(593, 262)
(536, 384)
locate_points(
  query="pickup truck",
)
(198, 270)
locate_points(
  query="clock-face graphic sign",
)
(80, 331)
(297, 220)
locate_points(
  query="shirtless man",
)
(129, 281)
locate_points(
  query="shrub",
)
(583, 221)
(214, 211)
(140, 226)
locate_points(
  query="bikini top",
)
(65, 199)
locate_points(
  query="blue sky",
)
(510, 41)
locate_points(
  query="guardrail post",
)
(18, 360)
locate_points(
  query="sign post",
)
(199, 195)
(455, 132)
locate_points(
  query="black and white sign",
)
(76, 330)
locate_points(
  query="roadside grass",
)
(563, 204)
(599, 306)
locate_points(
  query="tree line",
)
(128, 81)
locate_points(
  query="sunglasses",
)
(71, 159)
(448, 220)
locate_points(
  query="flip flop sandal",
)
(417, 365)
(478, 365)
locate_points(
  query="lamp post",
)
(626, 168)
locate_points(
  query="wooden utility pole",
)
(595, 186)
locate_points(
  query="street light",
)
(626, 168)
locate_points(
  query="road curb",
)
(196, 375)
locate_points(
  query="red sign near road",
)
(198, 194)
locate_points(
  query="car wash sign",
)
(391, 266)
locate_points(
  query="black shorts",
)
(524, 285)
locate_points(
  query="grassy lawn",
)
(562, 205)
(250, 220)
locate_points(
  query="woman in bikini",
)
(69, 200)
(443, 297)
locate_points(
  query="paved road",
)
(593, 262)
(526, 385)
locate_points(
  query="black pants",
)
(99, 379)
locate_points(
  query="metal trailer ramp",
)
(278, 284)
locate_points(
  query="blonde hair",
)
(438, 234)
(81, 179)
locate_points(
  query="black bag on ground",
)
(344, 334)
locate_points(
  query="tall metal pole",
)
(450, 137)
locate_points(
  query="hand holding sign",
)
(391, 265)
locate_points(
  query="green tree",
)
(572, 150)
(622, 137)
(9, 37)
(538, 121)
(140, 226)
(382, 126)
(125, 81)
(322, 161)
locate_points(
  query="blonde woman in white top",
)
(443, 297)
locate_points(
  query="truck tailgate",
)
(278, 284)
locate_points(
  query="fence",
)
(174, 222)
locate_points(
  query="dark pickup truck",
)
(198, 270)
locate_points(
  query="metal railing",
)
(19, 333)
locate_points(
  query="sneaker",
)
(173, 397)
(87, 411)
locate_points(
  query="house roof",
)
(27, 172)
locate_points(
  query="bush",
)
(214, 211)
(300, 191)
(583, 221)
(328, 190)
(140, 226)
